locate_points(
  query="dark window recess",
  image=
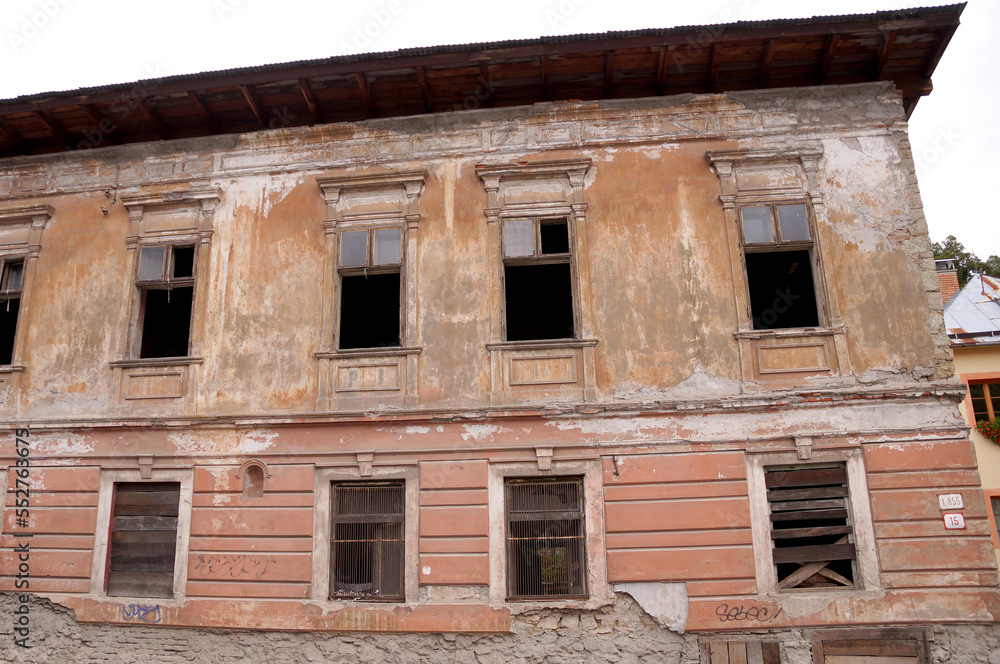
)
(143, 539)
(781, 290)
(367, 548)
(554, 236)
(369, 310)
(183, 262)
(166, 321)
(11, 283)
(545, 538)
(995, 504)
(810, 526)
(539, 302)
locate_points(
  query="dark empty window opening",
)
(538, 280)
(166, 283)
(813, 540)
(545, 538)
(369, 310)
(11, 285)
(143, 539)
(781, 290)
(367, 547)
(539, 301)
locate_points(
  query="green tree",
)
(966, 262)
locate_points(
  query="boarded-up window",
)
(143, 539)
(368, 543)
(742, 652)
(811, 526)
(545, 538)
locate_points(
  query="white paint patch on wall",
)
(60, 445)
(257, 440)
(481, 432)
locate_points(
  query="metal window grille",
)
(811, 526)
(545, 538)
(368, 543)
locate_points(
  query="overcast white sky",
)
(48, 45)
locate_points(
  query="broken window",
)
(143, 539)
(370, 268)
(811, 531)
(11, 285)
(367, 547)
(995, 506)
(777, 247)
(165, 280)
(985, 401)
(538, 279)
(545, 538)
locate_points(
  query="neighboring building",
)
(622, 347)
(972, 318)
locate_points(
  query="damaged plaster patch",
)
(667, 603)
(696, 386)
(257, 441)
(57, 445)
(481, 432)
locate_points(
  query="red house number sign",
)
(954, 522)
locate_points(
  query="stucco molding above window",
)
(539, 264)
(370, 334)
(780, 187)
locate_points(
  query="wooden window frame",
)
(371, 268)
(994, 515)
(373, 595)
(989, 387)
(867, 575)
(595, 552)
(872, 642)
(8, 294)
(102, 539)
(323, 481)
(580, 546)
(165, 282)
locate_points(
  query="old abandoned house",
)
(598, 348)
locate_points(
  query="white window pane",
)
(757, 226)
(794, 222)
(151, 263)
(353, 248)
(388, 246)
(518, 238)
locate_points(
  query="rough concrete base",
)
(621, 633)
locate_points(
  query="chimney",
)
(947, 278)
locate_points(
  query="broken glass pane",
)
(388, 246)
(555, 237)
(151, 263)
(15, 276)
(757, 225)
(518, 238)
(353, 248)
(794, 222)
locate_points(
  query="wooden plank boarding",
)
(143, 541)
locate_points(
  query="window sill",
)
(12, 368)
(542, 344)
(157, 362)
(791, 355)
(364, 378)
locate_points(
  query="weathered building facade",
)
(658, 376)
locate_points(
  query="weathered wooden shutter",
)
(143, 539)
(810, 526)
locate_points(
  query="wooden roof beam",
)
(151, 117)
(10, 135)
(204, 112)
(938, 49)
(366, 93)
(110, 134)
(254, 103)
(311, 102)
(609, 72)
(661, 70)
(766, 62)
(888, 43)
(486, 84)
(53, 127)
(425, 90)
(545, 78)
(713, 70)
(827, 60)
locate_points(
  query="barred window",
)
(368, 543)
(813, 539)
(545, 538)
